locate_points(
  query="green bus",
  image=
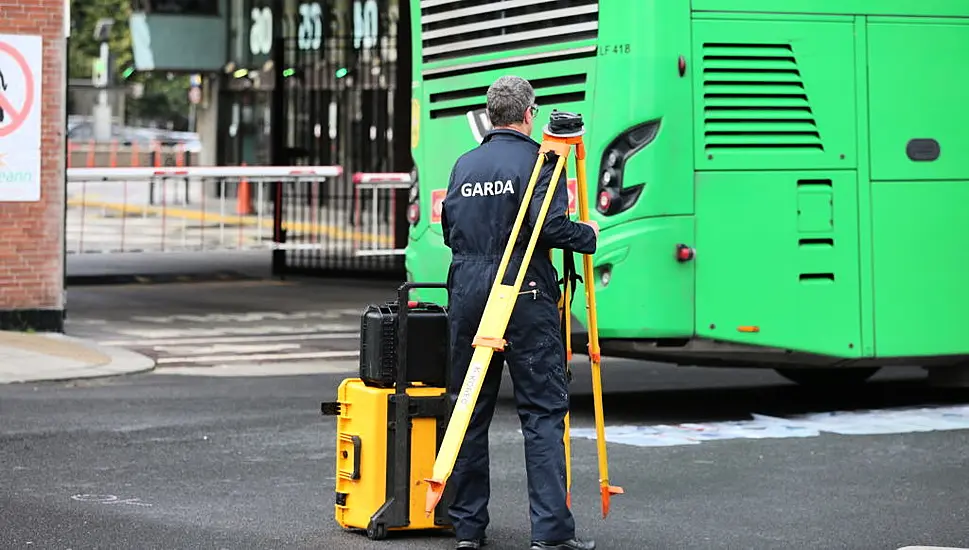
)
(779, 184)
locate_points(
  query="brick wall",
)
(32, 233)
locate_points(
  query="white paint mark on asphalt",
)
(108, 499)
(866, 422)
(229, 331)
(260, 357)
(97, 322)
(223, 348)
(247, 317)
(231, 339)
(346, 367)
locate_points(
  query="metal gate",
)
(334, 104)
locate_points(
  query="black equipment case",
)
(425, 343)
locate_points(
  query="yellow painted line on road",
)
(198, 215)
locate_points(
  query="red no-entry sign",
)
(21, 133)
(15, 115)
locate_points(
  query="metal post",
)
(277, 124)
(102, 79)
(66, 75)
(403, 161)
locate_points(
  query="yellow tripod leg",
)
(568, 437)
(494, 321)
(605, 489)
(565, 307)
(568, 464)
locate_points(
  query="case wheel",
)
(376, 531)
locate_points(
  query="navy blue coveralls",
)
(479, 211)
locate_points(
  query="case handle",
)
(355, 439)
(356, 443)
(403, 292)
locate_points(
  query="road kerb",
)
(119, 362)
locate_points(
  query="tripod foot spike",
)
(435, 490)
(607, 492)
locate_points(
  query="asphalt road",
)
(218, 449)
(158, 461)
(227, 314)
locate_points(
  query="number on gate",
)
(365, 19)
(261, 32)
(310, 26)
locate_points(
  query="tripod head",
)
(564, 124)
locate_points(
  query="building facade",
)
(339, 83)
(33, 54)
(300, 82)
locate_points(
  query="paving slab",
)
(43, 356)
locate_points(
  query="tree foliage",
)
(165, 95)
(84, 49)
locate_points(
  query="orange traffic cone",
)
(243, 205)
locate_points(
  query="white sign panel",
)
(21, 59)
(141, 42)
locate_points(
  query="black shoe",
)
(472, 544)
(571, 544)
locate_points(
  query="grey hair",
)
(508, 99)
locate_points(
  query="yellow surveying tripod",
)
(563, 131)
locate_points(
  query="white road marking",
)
(868, 422)
(344, 366)
(206, 340)
(108, 499)
(228, 331)
(247, 317)
(222, 348)
(89, 322)
(231, 339)
(260, 357)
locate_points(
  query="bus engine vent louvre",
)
(754, 98)
(548, 91)
(452, 29)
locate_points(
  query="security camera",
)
(102, 30)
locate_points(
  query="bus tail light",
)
(627, 144)
(605, 275)
(413, 213)
(606, 199)
(414, 198)
(684, 253)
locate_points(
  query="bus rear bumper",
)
(702, 352)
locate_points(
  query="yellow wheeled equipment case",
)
(388, 437)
